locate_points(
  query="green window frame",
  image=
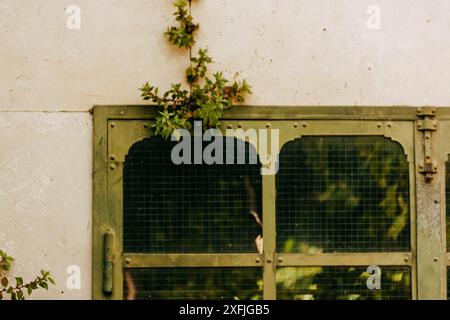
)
(422, 133)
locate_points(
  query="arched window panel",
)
(191, 208)
(342, 194)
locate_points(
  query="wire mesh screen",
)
(342, 283)
(190, 208)
(448, 283)
(342, 194)
(193, 283)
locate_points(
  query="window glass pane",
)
(342, 283)
(193, 208)
(342, 194)
(448, 283)
(193, 283)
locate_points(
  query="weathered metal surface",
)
(427, 258)
(345, 259)
(108, 263)
(191, 260)
(430, 244)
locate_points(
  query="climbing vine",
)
(207, 98)
(17, 291)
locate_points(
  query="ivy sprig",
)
(17, 291)
(207, 98)
(183, 34)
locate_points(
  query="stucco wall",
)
(293, 52)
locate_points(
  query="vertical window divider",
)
(269, 237)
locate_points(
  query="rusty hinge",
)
(108, 262)
(426, 123)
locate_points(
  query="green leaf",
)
(43, 285)
(51, 280)
(19, 281)
(29, 290)
(4, 282)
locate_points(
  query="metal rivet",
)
(258, 260)
(145, 126)
(122, 112)
(127, 261)
(295, 125)
(113, 166)
(267, 125)
(112, 125)
(304, 124)
(229, 126)
(406, 259)
(435, 259)
(112, 157)
(239, 125)
(379, 125)
(389, 125)
(269, 260)
(280, 260)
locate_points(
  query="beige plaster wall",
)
(293, 52)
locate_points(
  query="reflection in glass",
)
(189, 208)
(342, 194)
(193, 283)
(342, 283)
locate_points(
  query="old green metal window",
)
(353, 190)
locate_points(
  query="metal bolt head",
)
(112, 125)
(280, 260)
(267, 125)
(127, 261)
(269, 260)
(257, 260)
(304, 125)
(112, 166)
